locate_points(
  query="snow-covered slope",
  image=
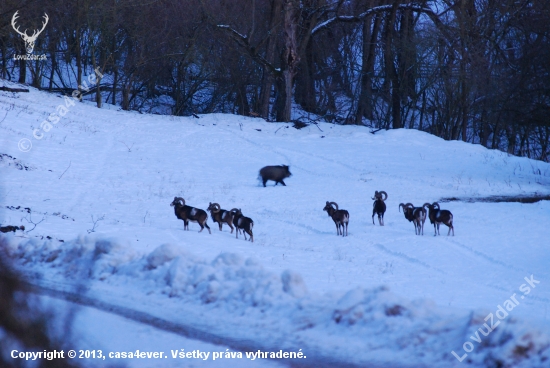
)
(379, 296)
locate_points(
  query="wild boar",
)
(275, 173)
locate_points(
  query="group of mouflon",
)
(235, 218)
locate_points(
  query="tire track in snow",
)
(262, 146)
(530, 297)
(99, 162)
(273, 216)
(407, 258)
(289, 161)
(485, 257)
(317, 356)
(335, 162)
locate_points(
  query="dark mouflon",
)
(415, 214)
(243, 223)
(188, 213)
(340, 217)
(438, 216)
(221, 216)
(379, 207)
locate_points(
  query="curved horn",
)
(178, 200)
(334, 204)
(409, 205)
(383, 193)
(234, 210)
(426, 205)
(217, 207)
(436, 204)
(376, 195)
(401, 205)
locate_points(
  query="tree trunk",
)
(267, 78)
(22, 66)
(78, 51)
(364, 105)
(305, 82)
(241, 100)
(289, 57)
(391, 72)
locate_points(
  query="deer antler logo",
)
(29, 40)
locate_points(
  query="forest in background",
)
(477, 71)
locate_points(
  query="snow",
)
(102, 181)
(116, 334)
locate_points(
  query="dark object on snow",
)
(340, 217)
(244, 223)
(415, 214)
(379, 207)
(220, 216)
(188, 213)
(8, 89)
(7, 229)
(438, 216)
(275, 173)
(298, 124)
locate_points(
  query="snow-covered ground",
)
(102, 181)
(94, 330)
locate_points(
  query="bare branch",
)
(243, 41)
(65, 170)
(378, 9)
(95, 223)
(30, 221)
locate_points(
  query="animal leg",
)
(451, 227)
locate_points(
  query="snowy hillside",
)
(102, 180)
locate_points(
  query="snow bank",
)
(352, 326)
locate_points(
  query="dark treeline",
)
(477, 71)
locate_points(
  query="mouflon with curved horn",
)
(220, 216)
(378, 206)
(415, 214)
(438, 216)
(340, 217)
(188, 213)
